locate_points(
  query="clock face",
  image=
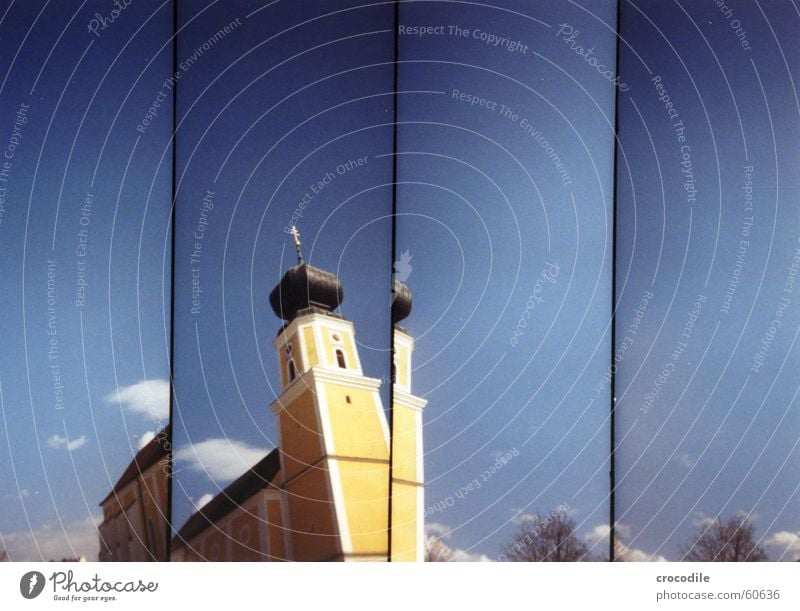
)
(289, 349)
(336, 338)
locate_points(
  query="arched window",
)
(340, 359)
(292, 371)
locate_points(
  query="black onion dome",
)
(401, 301)
(303, 287)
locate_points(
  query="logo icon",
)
(31, 584)
(403, 267)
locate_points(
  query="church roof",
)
(149, 455)
(234, 495)
(302, 287)
(401, 301)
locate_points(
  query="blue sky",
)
(85, 95)
(504, 210)
(471, 282)
(720, 438)
(485, 212)
(275, 105)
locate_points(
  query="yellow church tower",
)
(343, 485)
(407, 477)
(334, 439)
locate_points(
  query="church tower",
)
(407, 479)
(334, 439)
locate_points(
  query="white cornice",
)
(319, 374)
(409, 400)
(346, 377)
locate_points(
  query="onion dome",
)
(304, 287)
(401, 301)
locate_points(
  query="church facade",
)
(340, 487)
(135, 525)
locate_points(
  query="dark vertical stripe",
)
(613, 438)
(172, 275)
(391, 275)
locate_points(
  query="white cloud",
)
(148, 397)
(437, 529)
(460, 555)
(57, 442)
(220, 458)
(77, 538)
(24, 493)
(701, 520)
(785, 545)
(599, 534)
(457, 554)
(518, 516)
(623, 531)
(146, 438)
(598, 537)
(522, 518)
(203, 500)
(630, 554)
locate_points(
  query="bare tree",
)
(731, 540)
(3, 555)
(550, 539)
(437, 551)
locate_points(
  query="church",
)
(340, 486)
(135, 525)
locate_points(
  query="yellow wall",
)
(357, 436)
(125, 537)
(401, 365)
(365, 487)
(301, 440)
(358, 454)
(245, 534)
(154, 490)
(311, 348)
(275, 531)
(314, 535)
(214, 542)
(356, 426)
(404, 440)
(404, 521)
(242, 535)
(404, 493)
